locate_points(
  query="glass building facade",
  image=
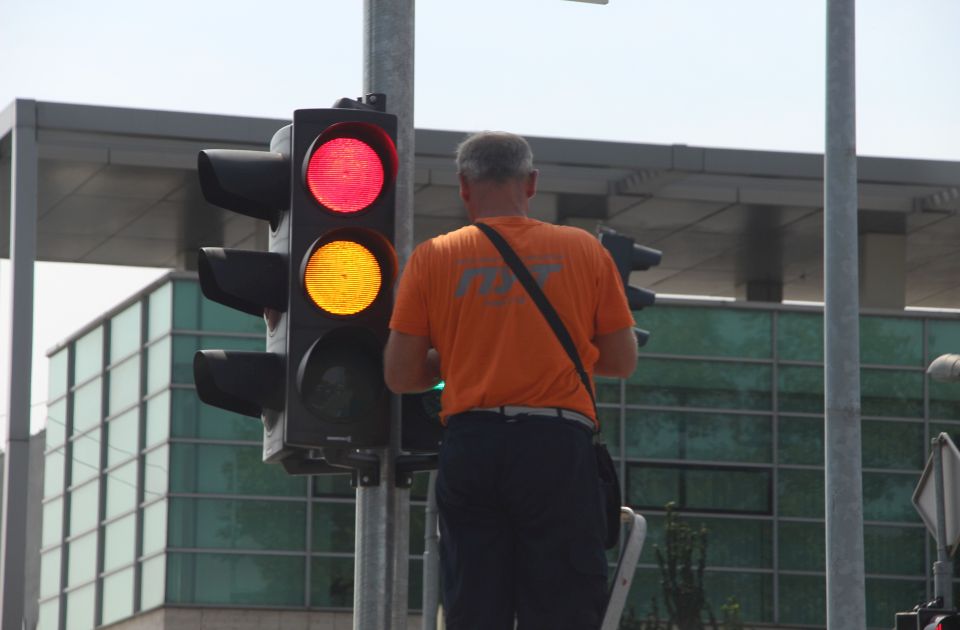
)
(152, 498)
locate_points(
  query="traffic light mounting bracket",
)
(409, 464)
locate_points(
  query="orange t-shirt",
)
(495, 347)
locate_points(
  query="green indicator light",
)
(438, 387)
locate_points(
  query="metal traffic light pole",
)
(383, 510)
(841, 318)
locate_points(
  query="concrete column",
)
(883, 274)
(23, 249)
(760, 291)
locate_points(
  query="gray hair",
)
(494, 155)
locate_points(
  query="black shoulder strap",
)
(546, 308)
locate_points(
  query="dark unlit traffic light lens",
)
(341, 382)
(345, 175)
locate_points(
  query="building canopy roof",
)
(119, 186)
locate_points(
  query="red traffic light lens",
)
(345, 174)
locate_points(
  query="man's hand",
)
(618, 353)
(410, 364)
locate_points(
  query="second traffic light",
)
(630, 257)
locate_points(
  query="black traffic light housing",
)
(325, 287)
(630, 257)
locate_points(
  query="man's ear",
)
(530, 185)
(464, 187)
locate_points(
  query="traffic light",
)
(342, 271)
(327, 188)
(629, 257)
(928, 616)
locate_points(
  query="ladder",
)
(623, 577)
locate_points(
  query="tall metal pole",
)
(843, 491)
(23, 249)
(383, 511)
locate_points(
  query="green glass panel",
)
(800, 388)
(159, 365)
(801, 440)
(124, 385)
(944, 400)
(81, 604)
(154, 527)
(186, 305)
(800, 493)
(652, 486)
(56, 423)
(415, 585)
(333, 527)
(209, 578)
(81, 559)
(421, 484)
(699, 488)
(156, 464)
(125, 333)
(887, 497)
(50, 572)
(894, 550)
(153, 582)
(49, 615)
(754, 592)
(160, 312)
(416, 533)
(891, 341)
(85, 461)
(891, 393)
(943, 337)
(87, 406)
(800, 336)
(802, 546)
(58, 374)
(121, 489)
(610, 428)
(331, 582)
(122, 437)
(88, 355)
(679, 383)
(119, 543)
(190, 418)
(885, 598)
(117, 596)
(186, 346)
(158, 418)
(53, 469)
(893, 444)
(227, 469)
(731, 542)
(332, 486)
(83, 512)
(52, 530)
(192, 311)
(803, 600)
(645, 586)
(698, 436)
(608, 390)
(702, 331)
(728, 490)
(236, 524)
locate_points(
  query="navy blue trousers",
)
(521, 524)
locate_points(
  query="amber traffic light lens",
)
(342, 277)
(345, 175)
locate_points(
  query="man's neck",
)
(490, 213)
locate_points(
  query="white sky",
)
(738, 73)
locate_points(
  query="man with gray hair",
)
(521, 518)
